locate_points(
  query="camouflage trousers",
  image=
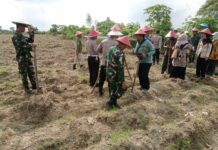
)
(26, 70)
(115, 90)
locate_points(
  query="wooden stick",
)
(127, 68)
(36, 71)
(137, 70)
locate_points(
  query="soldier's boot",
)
(101, 91)
(115, 104)
(110, 103)
(74, 66)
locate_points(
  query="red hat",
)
(140, 32)
(124, 40)
(206, 31)
(147, 28)
(171, 34)
(78, 33)
(93, 33)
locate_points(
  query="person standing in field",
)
(79, 55)
(103, 49)
(168, 46)
(148, 30)
(203, 53)
(194, 40)
(115, 71)
(23, 46)
(157, 42)
(180, 57)
(93, 58)
(213, 58)
(144, 50)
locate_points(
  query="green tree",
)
(131, 28)
(0, 29)
(54, 29)
(12, 29)
(89, 20)
(105, 26)
(209, 9)
(159, 17)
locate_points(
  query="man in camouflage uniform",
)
(115, 71)
(24, 46)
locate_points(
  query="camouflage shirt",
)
(115, 66)
(22, 45)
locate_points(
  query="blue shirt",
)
(146, 49)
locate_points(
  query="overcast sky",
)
(43, 13)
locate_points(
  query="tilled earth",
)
(174, 115)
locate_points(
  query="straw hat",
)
(124, 40)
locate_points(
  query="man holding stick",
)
(24, 46)
(115, 71)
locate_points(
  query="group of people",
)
(106, 61)
(181, 50)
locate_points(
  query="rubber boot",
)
(74, 66)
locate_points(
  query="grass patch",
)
(8, 85)
(84, 79)
(119, 136)
(53, 145)
(181, 144)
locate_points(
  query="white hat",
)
(186, 32)
(22, 23)
(215, 35)
(115, 33)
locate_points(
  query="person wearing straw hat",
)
(93, 59)
(115, 71)
(168, 46)
(79, 55)
(103, 49)
(194, 40)
(23, 46)
(179, 56)
(213, 58)
(203, 53)
(144, 51)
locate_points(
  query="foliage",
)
(159, 17)
(105, 26)
(131, 28)
(196, 22)
(209, 9)
(89, 20)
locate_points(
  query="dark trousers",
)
(201, 67)
(102, 76)
(93, 64)
(211, 67)
(26, 70)
(143, 74)
(178, 72)
(167, 65)
(156, 56)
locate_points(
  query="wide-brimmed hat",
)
(147, 28)
(93, 33)
(115, 31)
(22, 23)
(124, 40)
(171, 34)
(215, 35)
(195, 29)
(206, 31)
(78, 33)
(140, 32)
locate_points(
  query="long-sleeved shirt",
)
(78, 46)
(91, 47)
(103, 48)
(156, 41)
(22, 45)
(145, 49)
(203, 50)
